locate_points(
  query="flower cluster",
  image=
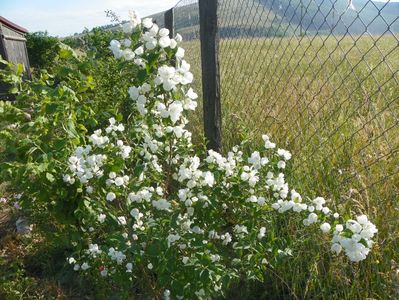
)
(152, 202)
(354, 238)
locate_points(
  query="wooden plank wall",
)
(13, 49)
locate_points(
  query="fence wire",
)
(320, 77)
(186, 23)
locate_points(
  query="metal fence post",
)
(169, 22)
(209, 35)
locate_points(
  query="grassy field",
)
(333, 102)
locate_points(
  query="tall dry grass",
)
(334, 103)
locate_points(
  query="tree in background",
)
(41, 49)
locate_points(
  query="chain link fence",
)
(320, 77)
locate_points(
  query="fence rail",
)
(319, 76)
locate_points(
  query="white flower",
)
(180, 53)
(154, 30)
(122, 220)
(115, 45)
(150, 45)
(325, 227)
(369, 229)
(191, 94)
(200, 293)
(85, 266)
(140, 62)
(240, 229)
(209, 179)
(128, 54)
(336, 248)
(215, 258)
(94, 250)
(226, 238)
(166, 295)
(163, 32)
(286, 155)
(129, 267)
(354, 250)
(67, 178)
(172, 238)
(101, 218)
(161, 204)
(119, 181)
(164, 42)
(127, 42)
(147, 23)
(175, 110)
(268, 143)
(325, 210)
(362, 220)
(178, 38)
(261, 233)
(127, 27)
(312, 218)
(339, 228)
(135, 213)
(319, 202)
(353, 226)
(185, 259)
(281, 164)
(71, 260)
(111, 196)
(134, 92)
(173, 44)
(139, 51)
(134, 19)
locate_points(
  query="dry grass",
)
(333, 102)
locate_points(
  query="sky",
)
(65, 17)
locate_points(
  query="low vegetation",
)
(325, 111)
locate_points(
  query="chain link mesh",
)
(320, 77)
(186, 23)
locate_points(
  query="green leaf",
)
(60, 143)
(142, 75)
(14, 90)
(51, 108)
(65, 53)
(138, 170)
(50, 177)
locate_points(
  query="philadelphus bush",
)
(184, 224)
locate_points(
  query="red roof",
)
(12, 25)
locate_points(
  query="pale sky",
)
(66, 17)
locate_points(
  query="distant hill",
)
(265, 18)
(329, 16)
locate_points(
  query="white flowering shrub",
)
(184, 223)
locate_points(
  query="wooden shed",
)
(13, 45)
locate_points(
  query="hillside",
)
(267, 18)
(329, 16)
(263, 18)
